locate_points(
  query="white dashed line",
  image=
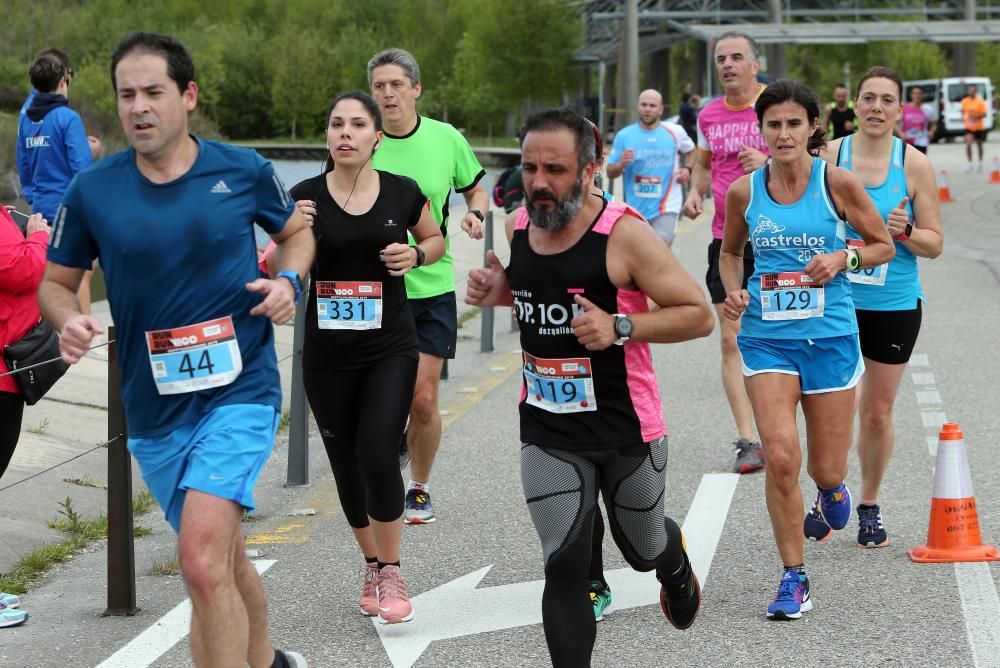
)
(928, 397)
(933, 419)
(981, 609)
(919, 360)
(926, 378)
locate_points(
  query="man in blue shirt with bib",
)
(647, 153)
(171, 220)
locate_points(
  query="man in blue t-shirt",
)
(647, 153)
(171, 220)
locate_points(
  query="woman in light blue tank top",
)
(798, 334)
(900, 182)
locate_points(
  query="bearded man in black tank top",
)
(580, 272)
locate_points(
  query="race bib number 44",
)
(194, 357)
(648, 186)
(560, 386)
(349, 305)
(790, 295)
(869, 276)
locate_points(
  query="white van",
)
(946, 94)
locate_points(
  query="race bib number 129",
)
(194, 357)
(790, 295)
(561, 385)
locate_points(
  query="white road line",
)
(928, 397)
(981, 609)
(919, 360)
(169, 630)
(932, 445)
(933, 418)
(923, 378)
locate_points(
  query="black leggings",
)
(561, 489)
(11, 411)
(361, 413)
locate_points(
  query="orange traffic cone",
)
(944, 192)
(953, 534)
(995, 174)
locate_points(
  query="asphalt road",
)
(872, 607)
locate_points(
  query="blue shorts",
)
(221, 455)
(823, 365)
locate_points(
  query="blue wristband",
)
(294, 279)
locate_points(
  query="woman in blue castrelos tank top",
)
(798, 336)
(900, 182)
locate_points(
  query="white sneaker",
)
(968, 170)
(979, 168)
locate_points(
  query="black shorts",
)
(437, 324)
(978, 135)
(922, 149)
(712, 277)
(888, 336)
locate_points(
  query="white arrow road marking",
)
(981, 610)
(458, 608)
(169, 630)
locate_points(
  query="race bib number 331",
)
(194, 357)
(349, 305)
(790, 295)
(560, 385)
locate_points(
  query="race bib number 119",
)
(560, 385)
(194, 357)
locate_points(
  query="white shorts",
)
(665, 225)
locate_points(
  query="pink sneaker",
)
(393, 602)
(369, 590)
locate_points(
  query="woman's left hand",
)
(398, 258)
(898, 219)
(823, 267)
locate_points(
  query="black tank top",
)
(573, 398)
(839, 119)
(357, 313)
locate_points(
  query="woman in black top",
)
(360, 353)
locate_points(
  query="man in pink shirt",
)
(730, 145)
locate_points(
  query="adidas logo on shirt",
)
(220, 187)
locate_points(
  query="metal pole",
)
(486, 334)
(631, 69)
(298, 427)
(602, 70)
(121, 548)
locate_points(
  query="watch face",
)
(623, 327)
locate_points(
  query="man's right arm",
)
(60, 308)
(23, 169)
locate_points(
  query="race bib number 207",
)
(194, 357)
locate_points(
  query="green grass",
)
(81, 532)
(167, 567)
(39, 428)
(284, 422)
(467, 316)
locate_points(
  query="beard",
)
(559, 216)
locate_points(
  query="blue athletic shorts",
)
(822, 365)
(221, 455)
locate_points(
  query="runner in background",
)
(730, 145)
(918, 122)
(648, 153)
(840, 119)
(438, 158)
(974, 120)
(888, 298)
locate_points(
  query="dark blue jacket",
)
(51, 148)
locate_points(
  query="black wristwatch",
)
(478, 214)
(623, 328)
(905, 234)
(420, 256)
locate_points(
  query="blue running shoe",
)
(814, 527)
(871, 531)
(11, 617)
(10, 600)
(835, 504)
(793, 596)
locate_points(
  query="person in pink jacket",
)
(22, 263)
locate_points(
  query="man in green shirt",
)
(438, 158)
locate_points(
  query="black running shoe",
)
(680, 602)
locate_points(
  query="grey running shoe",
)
(287, 659)
(749, 456)
(417, 508)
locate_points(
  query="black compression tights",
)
(360, 414)
(11, 410)
(561, 489)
